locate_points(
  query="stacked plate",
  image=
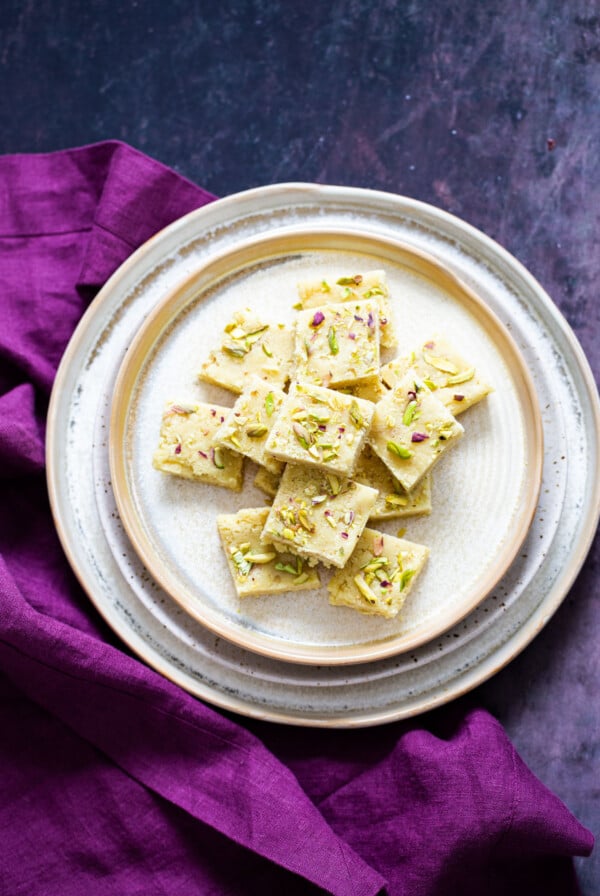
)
(515, 505)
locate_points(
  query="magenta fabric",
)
(112, 779)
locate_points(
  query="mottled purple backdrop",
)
(489, 110)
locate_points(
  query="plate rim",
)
(489, 251)
(187, 294)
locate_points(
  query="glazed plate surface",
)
(484, 491)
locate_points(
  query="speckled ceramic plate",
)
(484, 491)
(219, 671)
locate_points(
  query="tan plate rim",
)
(228, 263)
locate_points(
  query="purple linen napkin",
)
(114, 779)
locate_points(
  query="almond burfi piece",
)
(454, 380)
(318, 515)
(320, 427)
(411, 429)
(187, 446)
(393, 501)
(337, 345)
(267, 482)
(256, 568)
(249, 422)
(250, 346)
(370, 285)
(379, 575)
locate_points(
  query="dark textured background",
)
(488, 109)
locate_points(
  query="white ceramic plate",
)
(485, 491)
(169, 639)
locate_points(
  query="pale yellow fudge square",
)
(320, 427)
(250, 346)
(249, 422)
(267, 482)
(393, 501)
(256, 568)
(337, 345)
(379, 576)
(455, 381)
(369, 285)
(187, 446)
(318, 515)
(411, 429)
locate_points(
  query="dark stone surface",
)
(489, 110)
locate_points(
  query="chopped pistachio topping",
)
(236, 351)
(260, 558)
(267, 350)
(396, 500)
(332, 340)
(269, 404)
(442, 364)
(356, 416)
(399, 450)
(365, 590)
(409, 413)
(218, 460)
(255, 431)
(462, 377)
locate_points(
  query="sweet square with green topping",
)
(455, 381)
(256, 568)
(187, 446)
(379, 576)
(250, 346)
(249, 422)
(393, 501)
(411, 429)
(370, 285)
(318, 515)
(320, 427)
(337, 345)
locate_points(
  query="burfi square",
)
(250, 346)
(393, 501)
(337, 345)
(249, 422)
(187, 446)
(454, 380)
(379, 576)
(370, 285)
(256, 568)
(320, 427)
(318, 515)
(411, 429)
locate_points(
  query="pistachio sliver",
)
(236, 351)
(255, 431)
(332, 340)
(269, 404)
(462, 377)
(409, 413)
(399, 450)
(365, 590)
(396, 500)
(443, 364)
(260, 558)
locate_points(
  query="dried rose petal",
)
(203, 454)
(429, 345)
(358, 317)
(177, 449)
(412, 395)
(378, 546)
(318, 318)
(371, 320)
(459, 397)
(351, 335)
(419, 437)
(344, 534)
